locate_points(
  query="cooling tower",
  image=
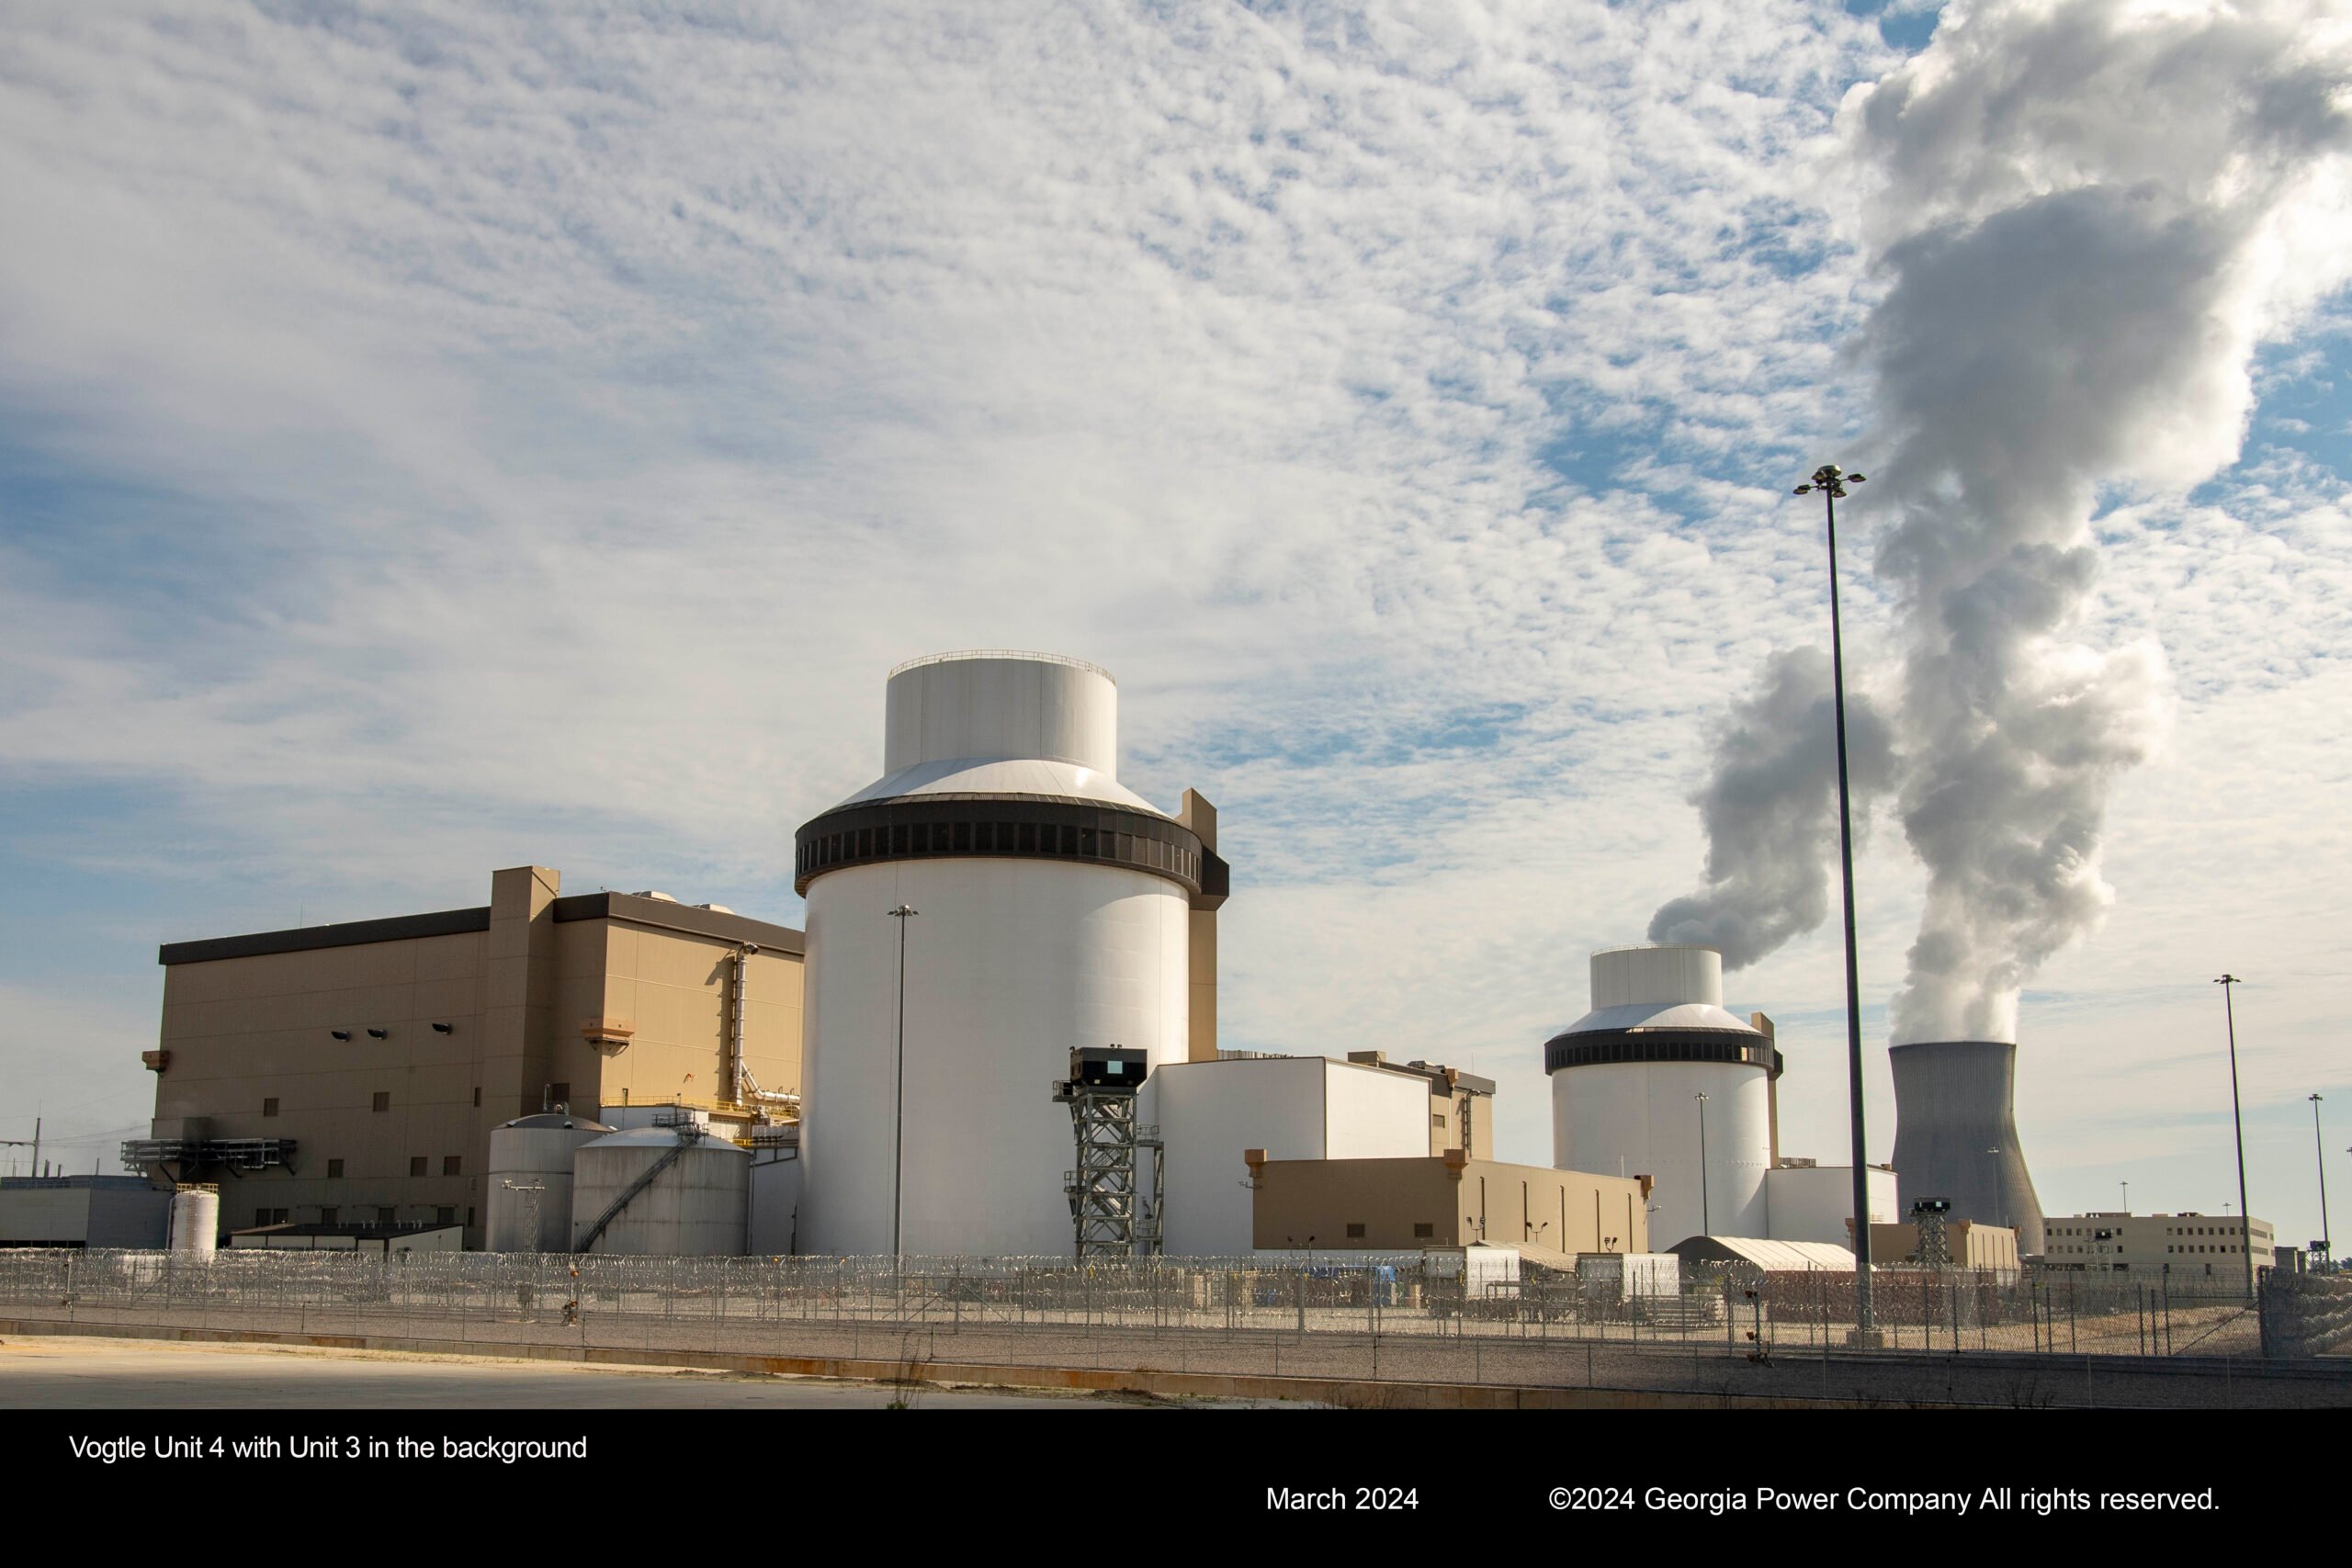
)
(1053, 911)
(1956, 1134)
(1627, 1082)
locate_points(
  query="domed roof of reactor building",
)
(1662, 988)
(995, 723)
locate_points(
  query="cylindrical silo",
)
(1626, 1081)
(530, 1182)
(1956, 1134)
(685, 1193)
(196, 1220)
(1052, 908)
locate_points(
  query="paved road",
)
(72, 1374)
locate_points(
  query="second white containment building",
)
(1627, 1085)
(1053, 910)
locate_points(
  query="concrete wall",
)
(1642, 1117)
(106, 1212)
(1011, 964)
(1815, 1203)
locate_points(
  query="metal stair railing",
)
(644, 1179)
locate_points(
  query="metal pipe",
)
(2245, 1215)
(1831, 481)
(2319, 1147)
(898, 1125)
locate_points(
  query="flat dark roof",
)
(353, 933)
(626, 907)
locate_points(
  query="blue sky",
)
(435, 437)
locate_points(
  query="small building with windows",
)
(2196, 1246)
(1443, 1201)
(349, 1075)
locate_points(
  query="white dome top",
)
(1657, 988)
(1660, 1015)
(983, 776)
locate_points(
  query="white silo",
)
(679, 1193)
(530, 1181)
(1626, 1079)
(195, 1219)
(1052, 912)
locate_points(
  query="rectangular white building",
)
(1210, 1113)
(1805, 1201)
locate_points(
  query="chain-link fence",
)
(751, 1302)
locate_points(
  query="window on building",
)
(388, 1214)
(560, 1093)
(334, 1167)
(269, 1106)
(470, 1215)
(477, 1094)
(449, 1164)
(1437, 1121)
(383, 1100)
(416, 1165)
(330, 1216)
(1423, 1230)
(1355, 1231)
(445, 1215)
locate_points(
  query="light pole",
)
(1831, 481)
(902, 914)
(1706, 1221)
(2245, 1215)
(2319, 1148)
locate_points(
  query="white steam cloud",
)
(2089, 214)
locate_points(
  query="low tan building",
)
(1967, 1245)
(351, 1074)
(2198, 1247)
(1449, 1200)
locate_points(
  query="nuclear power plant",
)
(996, 1037)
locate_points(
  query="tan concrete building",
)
(352, 1074)
(1462, 1105)
(1967, 1245)
(1449, 1200)
(2198, 1247)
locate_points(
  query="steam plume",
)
(2088, 215)
(1768, 812)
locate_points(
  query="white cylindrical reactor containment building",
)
(1627, 1082)
(1051, 909)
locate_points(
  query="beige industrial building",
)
(2195, 1245)
(1443, 1201)
(1967, 1245)
(1462, 1105)
(351, 1074)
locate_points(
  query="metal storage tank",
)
(535, 1152)
(1626, 1082)
(1053, 908)
(196, 1220)
(680, 1194)
(1956, 1134)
